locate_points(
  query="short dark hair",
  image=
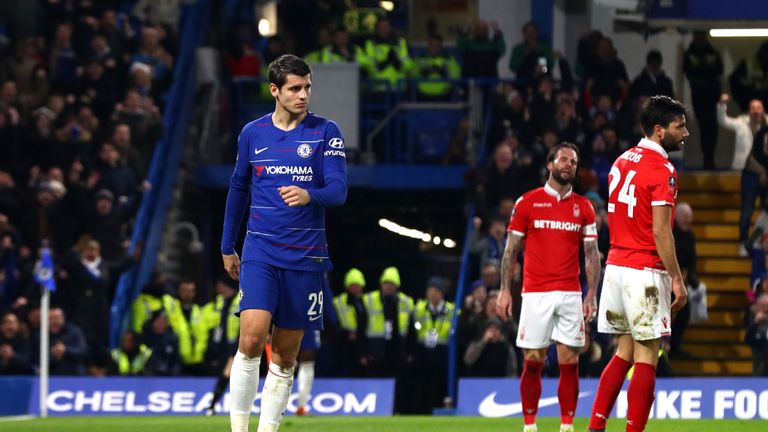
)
(553, 151)
(287, 64)
(654, 56)
(659, 110)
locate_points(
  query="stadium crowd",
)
(81, 96)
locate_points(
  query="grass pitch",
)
(355, 424)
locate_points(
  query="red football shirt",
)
(641, 178)
(554, 228)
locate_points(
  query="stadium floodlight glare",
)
(436, 240)
(450, 244)
(415, 234)
(388, 6)
(264, 27)
(739, 32)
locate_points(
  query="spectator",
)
(15, 347)
(131, 357)
(241, 56)
(187, 322)
(388, 55)
(437, 67)
(685, 247)
(62, 62)
(159, 12)
(745, 126)
(481, 45)
(323, 48)
(607, 75)
(491, 355)
(652, 80)
(389, 311)
(68, 350)
(158, 337)
(115, 175)
(703, 67)
(472, 316)
(757, 335)
(223, 335)
(754, 180)
(353, 321)
(106, 224)
(346, 51)
(152, 53)
(491, 276)
(750, 78)
(432, 321)
(490, 248)
(531, 57)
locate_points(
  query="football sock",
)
(243, 385)
(530, 390)
(640, 396)
(274, 397)
(568, 391)
(608, 390)
(306, 376)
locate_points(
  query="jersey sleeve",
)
(663, 186)
(518, 223)
(589, 226)
(333, 192)
(237, 197)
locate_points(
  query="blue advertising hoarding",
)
(681, 398)
(78, 396)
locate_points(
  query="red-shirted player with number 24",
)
(642, 270)
(554, 222)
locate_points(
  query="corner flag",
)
(44, 270)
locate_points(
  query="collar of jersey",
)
(646, 143)
(551, 191)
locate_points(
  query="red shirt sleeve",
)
(518, 223)
(663, 186)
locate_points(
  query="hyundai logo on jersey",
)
(336, 143)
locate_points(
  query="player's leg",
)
(652, 315)
(306, 374)
(612, 319)
(221, 386)
(244, 376)
(534, 336)
(569, 335)
(279, 380)
(258, 298)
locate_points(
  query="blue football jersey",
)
(310, 156)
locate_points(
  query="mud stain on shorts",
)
(616, 320)
(643, 323)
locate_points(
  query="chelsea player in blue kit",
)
(290, 166)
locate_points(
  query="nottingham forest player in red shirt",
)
(554, 222)
(642, 270)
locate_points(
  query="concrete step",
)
(730, 182)
(711, 367)
(727, 318)
(732, 335)
(719, 216)
(732, 300)
(724, 265)
(717, 283)
(720, 249)
(710, 200)
(716, 232)
(729, 351)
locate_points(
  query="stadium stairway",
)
(717, 347)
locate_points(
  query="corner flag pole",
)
(43, 275)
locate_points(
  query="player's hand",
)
(681, 294)
(232, 265)
(724, 98)
(590, 306)
(504, 305)
(294, 196)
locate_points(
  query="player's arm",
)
(665, 246)
(592, 268)
(333, 191)
(237, 202)
(504, 302)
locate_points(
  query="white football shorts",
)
(635, 302)
(551, 316)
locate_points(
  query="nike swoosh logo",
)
(490, 408)
(257, 151)
(315, 318)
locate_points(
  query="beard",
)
(671, 144)
(557, 175)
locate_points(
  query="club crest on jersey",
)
(672, 185)
(576, 210)
(304, 150)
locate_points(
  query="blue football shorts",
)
(295, 298)
(310, 341)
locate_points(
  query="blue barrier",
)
(77, 396)
(676, 398)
